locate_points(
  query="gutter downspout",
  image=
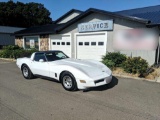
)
(158, 47)
(157, 54)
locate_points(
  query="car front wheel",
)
(27, 72)
(68, 81)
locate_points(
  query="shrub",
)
(27, 53)
(12, 47)
(135, 65)
(12, 51)
(113, 59)
(109, 63)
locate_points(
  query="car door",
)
(39, 65)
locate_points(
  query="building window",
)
(86, 43)
(58, 43)
(63, 43)
(93, 43)
(31, 42)
(68, 43)
(100, 43)
(53, 43)
(80, 43)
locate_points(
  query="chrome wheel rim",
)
(25, 72)
(67, 82)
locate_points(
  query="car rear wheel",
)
(27, 72)
(68, 81)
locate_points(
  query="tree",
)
(23, 15)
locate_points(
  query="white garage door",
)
(61, 42)
(91, 46)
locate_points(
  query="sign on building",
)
(96, 26)
(135, 39)
(32, 44)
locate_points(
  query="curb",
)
(8, 59)
(136, 78)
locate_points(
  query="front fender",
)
(77, 72)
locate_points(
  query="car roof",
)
(50, 51)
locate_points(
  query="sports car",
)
(72, 73)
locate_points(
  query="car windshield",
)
(58, 55)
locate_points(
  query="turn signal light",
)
(82, 81)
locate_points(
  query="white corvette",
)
(72, 73)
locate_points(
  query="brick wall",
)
(44, 42)
(19, 41)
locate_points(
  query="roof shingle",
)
(7, 29)
(38, 30)
(151, 13)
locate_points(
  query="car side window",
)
(55, 56)
(39, 56)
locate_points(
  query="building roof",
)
(67, 14)
(55, 28)
(151, 13)
(10, 30)
(38, 30)
(93, 10)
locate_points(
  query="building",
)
(89, 34)
(5, 35)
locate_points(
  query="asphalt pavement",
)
(41, 99)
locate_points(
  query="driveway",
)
(40, 99)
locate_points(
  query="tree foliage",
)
(23, 15)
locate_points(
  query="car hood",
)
(88, 67)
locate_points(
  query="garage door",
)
(91, 46)
(61, 42)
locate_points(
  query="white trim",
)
(32, 36)
(90, 33)
(67, 34)
(49, 43)
(15, 41)
(39, 43)
(158, 50)
(23, 42)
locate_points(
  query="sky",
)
(58, 8)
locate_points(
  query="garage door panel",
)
(91, 46)
(61, 42)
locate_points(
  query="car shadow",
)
(112, 84)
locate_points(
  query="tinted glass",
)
(86, 43)
(80, 43)
(54, 43)
(63, 43)
(39, 56)
(93, 43)
(58, 55)
(68, 43)
(100, 43)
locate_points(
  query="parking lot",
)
(40, 99)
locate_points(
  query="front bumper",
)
(94, 83)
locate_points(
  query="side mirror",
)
(41, 60)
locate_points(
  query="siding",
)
(6, 39)
(73, 15)
(5, 35)
(118, 25)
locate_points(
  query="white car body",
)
(93, 72)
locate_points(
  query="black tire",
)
(68, 81)
(26, 72)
